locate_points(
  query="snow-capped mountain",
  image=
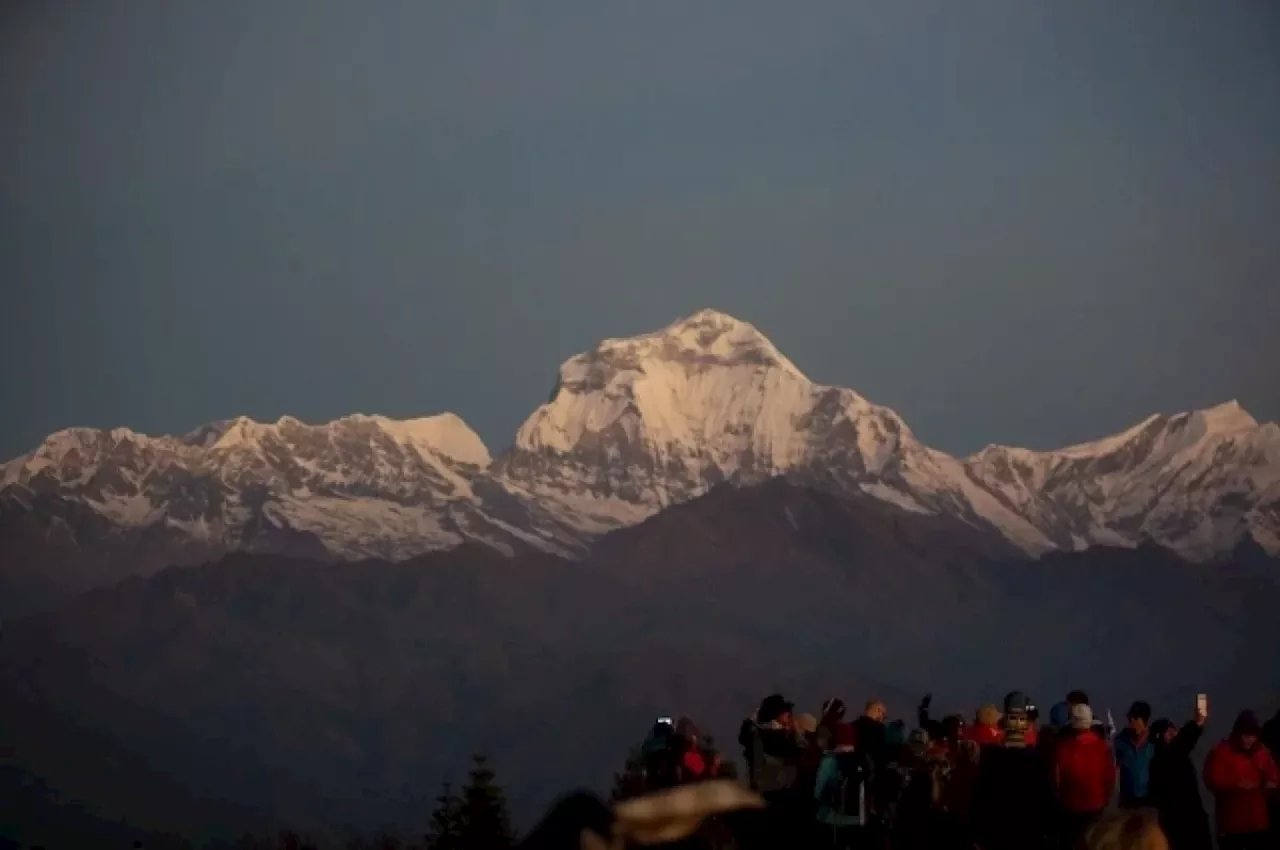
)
(636, 425)
(640, 423)
(362, 485)
(1197, 482)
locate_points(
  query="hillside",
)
(344, 692)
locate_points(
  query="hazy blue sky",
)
(1023, 222)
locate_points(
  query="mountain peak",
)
(707, 337)
(1226, 418)
(241, 431)
(445, 433)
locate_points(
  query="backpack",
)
(842, 789)
(773, 771)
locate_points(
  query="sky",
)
(1012, 222)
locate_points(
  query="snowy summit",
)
(637, 424)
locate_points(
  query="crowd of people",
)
(1005, 781)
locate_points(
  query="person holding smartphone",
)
(1174, 789)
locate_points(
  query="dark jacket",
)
(869, 737)
(1271, 736)
(1012, 799)
(1175, 792)
(773, 757)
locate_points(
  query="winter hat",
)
(807, 724)
(1081, 716)
(773, 707)
(1246, 724)
(833, 707)
(989, 715)
(1161, 726)
(1016, 702)
(1140, 710)
(1060, 714)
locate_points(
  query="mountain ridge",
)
(635, 425)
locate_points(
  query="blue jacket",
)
(1134, 761)
(840, 790)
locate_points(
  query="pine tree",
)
(444, 831)
(484, 822)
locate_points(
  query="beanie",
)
(1246, 724)
(1081, 716)
(1017, 703)
(1140, 711)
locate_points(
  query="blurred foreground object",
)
(582, 821)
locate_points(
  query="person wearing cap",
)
(1012, 798)
(1241, 774)
(1134, 751)
(1083, 774)
(1174, 789)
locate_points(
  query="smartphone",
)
(1202, 704)
(665, 721)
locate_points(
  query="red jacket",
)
(985, 736)
(1240, 811)
(693, 764)
(1084, 773)
(1032, 735)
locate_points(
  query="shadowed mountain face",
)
(344, 692)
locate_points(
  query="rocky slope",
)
(634, 425)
